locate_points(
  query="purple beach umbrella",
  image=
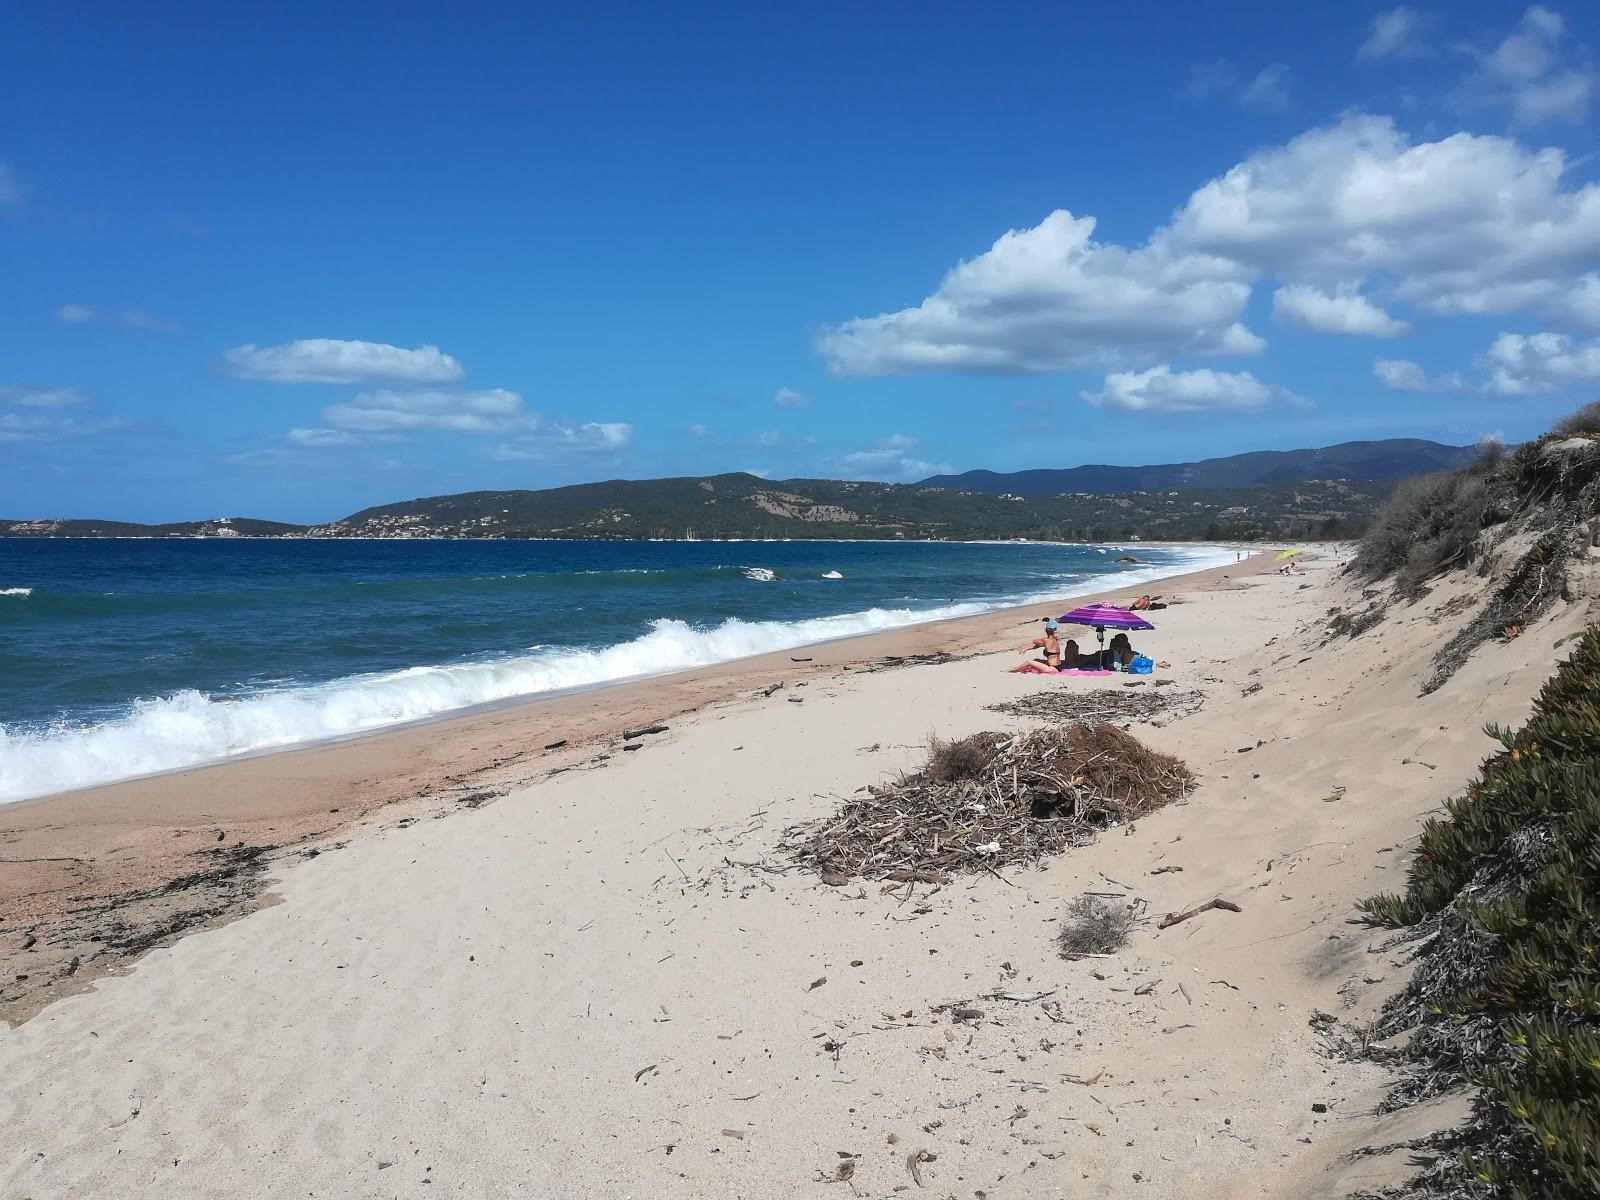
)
(1105, 616)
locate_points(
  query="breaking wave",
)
(188, 728)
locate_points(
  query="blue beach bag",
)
(1142, 666)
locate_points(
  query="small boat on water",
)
(832, 575)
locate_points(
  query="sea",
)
(124, 657)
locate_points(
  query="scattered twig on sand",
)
(1174, 918)
(914, 1162)
(643, 1071)
(629, 734)
(988, 801)
(1099, 704)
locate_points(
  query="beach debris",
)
(963, 1013)
(734, 1133)
(1095, 927)
(633, 746)
(797, 700)
(556, 745)
(792, 658)
(1174, 918)
(1164, 870)
(892, 662)
(629, 734)
(1098, 705)
(652, 1069)
(770, 688)
(29, 942)
(845, 1170)
(914, 1162)
(991, 800)
(816, 983)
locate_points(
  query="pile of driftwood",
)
(990, 800)
(1151, 706)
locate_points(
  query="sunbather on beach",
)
(1049, 661)
(1072, 660)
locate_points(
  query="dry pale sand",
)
(593, 987)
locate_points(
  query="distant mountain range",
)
(1394, 458)
(1271, 494)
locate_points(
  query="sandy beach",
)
(448, 961)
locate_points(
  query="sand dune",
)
(584, 989)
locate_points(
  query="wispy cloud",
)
(12, 191)
(125, 318)
(789, 398)
(1533, 72)
(1396, 33)
(329, 360)
(50, 414)
(889, 459)
(1268, 88)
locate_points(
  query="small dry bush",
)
(1094, 927)
(1585, 420)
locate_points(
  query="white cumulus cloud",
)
(1163, 390)
(1344, 310)
(1466, 224)
(329, 360)
(789, 398)
(1403, 375)
(1051, 298)
(1540, 363)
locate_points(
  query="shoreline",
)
(122, 843)
(802, 629)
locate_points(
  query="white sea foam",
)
(16, 591)
(189, 727)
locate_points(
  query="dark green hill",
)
(1395, 458)
(738, 505)
(217, 527)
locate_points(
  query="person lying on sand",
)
(1049, 661)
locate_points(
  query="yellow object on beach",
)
(1287, 553)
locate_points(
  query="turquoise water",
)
(122, 657)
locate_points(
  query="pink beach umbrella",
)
(1105, 616)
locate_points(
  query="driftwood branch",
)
(1175, 918)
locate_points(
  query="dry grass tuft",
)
(1095, 927)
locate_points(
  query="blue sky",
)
(287, 261)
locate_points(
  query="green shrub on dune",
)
(1506, 997)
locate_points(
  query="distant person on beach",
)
(1071, 660)
(1050, 659)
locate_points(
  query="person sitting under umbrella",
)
(1119, 654)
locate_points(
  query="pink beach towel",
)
(1085, 671)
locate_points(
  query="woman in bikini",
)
(1049, 661)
